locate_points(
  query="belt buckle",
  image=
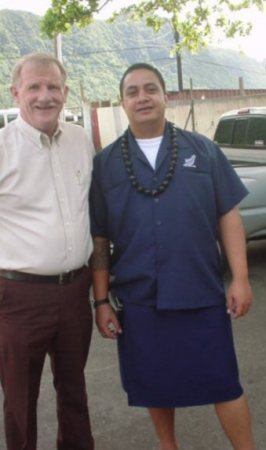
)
(66, 277)
(63, 278)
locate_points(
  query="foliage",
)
(196, 21)
(96, 56)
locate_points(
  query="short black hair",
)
(138, 66)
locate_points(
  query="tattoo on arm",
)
(100, 259)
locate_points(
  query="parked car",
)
(253, 206)
(241, 134)
(7, 115)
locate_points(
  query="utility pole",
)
(192, 105)
(58, 47)
(59, 56)
(178, 63)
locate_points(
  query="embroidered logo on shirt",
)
(190, 162)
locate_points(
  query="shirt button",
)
(156, 200)
(70, 249)
(158, 222)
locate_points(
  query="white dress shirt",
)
(44, 218)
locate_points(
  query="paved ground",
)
(118, 427)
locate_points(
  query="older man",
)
(45, 247)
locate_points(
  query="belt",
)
(62, 278)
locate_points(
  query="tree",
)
(195, 21)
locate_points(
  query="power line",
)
(148, 47)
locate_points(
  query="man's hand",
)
(239, 294)
(239, 298)
(107, 322)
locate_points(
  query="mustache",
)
(45, 104)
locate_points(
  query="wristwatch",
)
(104, 301)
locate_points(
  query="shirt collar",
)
(35, 135)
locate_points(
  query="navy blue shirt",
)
(165, 248)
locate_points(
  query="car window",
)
(224, 131)
(239, 135)
(7, 116)
(11, 117)
(257, 131)
(2, 121)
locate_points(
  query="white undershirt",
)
(150, 148)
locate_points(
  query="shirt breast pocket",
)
(82, 185)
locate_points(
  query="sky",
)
(253, 45)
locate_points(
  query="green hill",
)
(96, 57)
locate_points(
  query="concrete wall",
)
(207, 112)
(112, 121)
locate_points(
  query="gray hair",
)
(40, 59)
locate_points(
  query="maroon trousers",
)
(36, 320)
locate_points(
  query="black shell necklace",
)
(171, 169)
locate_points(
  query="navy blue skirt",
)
(177, 358)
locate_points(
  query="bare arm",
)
(239, 294)
(106, 318)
